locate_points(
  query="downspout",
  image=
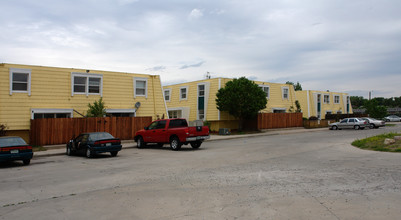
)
(307, 98)
(218, 111)
(154, 100)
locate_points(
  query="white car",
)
(392, 118)
(352, 123)
(374, 123)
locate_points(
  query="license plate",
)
(108, 144)
(14, 151)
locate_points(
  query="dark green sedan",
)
(15, 148)
(94, 143)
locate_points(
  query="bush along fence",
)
(50, 131)
(279, 120)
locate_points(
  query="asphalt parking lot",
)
(282, 175)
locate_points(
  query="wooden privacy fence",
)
(279, 120)
(50, 131)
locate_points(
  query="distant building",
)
(197, 101)
(319, 103)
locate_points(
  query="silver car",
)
(374, 123)
(351, 123)
(392, 118)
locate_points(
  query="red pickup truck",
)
(173, 131)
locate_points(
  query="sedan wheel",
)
(88, 153)
(334, 127)
(356, 127)
(371, 126)
(68, 151)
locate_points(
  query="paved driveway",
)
(312, 175)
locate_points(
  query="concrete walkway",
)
(54, 150)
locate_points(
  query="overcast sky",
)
(337, 45)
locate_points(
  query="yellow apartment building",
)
(197, 101)
(319, 103)
(30, 92)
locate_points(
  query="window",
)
(86, 84)
(201, 90)
(174, 114)
(167, 94)
(265, 89)
(120, 112)
(140, 87)
(178, 123)
(285, 91)
(336, 99)
(201, 114)
(20, 81)
(183, 93)
(326, 99)
(37, 113)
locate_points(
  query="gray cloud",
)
(322, 44)
(192, 65)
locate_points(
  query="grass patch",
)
(376, 143)
(38, 148)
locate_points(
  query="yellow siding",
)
(311, 109)
(51, 88)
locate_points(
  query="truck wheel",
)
(26, 161)
(196, 144)
(114, 153)
(140, 143)
(175, 143)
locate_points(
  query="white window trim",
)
(279, 109)
(282, 92)
(169, 98)
(324, 101)
(334, 99)
(52, 111)
(25, 71)
(186, 88)
(129, 110)
(87, 75)
(264, 86)
(146, 86)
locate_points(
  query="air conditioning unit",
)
(224, 131)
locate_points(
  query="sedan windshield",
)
(11, 141)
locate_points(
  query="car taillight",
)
(6, 149)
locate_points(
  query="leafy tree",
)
(98, 109)
(297, 87)
(241, 98)
(298, 106)
(374, 109)
(357, 101)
